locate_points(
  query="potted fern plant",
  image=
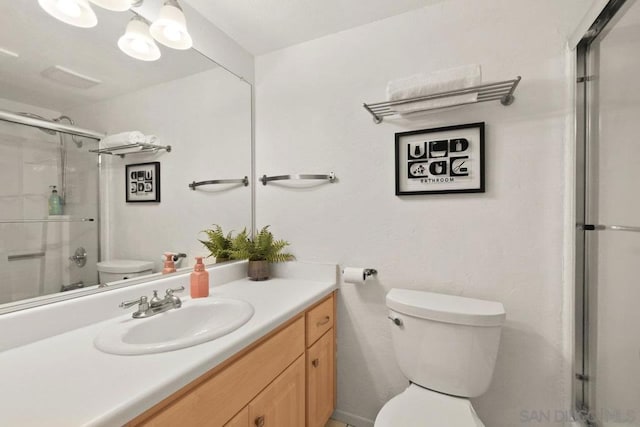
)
(260, 251)
(218, 244)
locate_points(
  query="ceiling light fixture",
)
(117, 5)
(137, 42)
(170, 28)
(73, 12)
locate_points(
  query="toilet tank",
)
(122, 269)
(445, 343)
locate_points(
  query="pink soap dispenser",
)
(199, 280)
(169, 264)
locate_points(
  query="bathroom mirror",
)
(51, 243)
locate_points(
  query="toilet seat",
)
(419, 407)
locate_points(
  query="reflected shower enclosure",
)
(43, 254)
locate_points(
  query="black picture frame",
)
(142, 182)
(425, 162)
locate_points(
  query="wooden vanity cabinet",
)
(286, 379)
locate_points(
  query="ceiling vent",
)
(69, 77)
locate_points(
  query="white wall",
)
(504, 245)
(206, 119)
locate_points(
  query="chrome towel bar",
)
(123, 150)
(330, 177)
(19, 257)
(498, 91)
(28, 221)
(244, 181)
(601, 227)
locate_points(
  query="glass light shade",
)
(170, 28)
(115, 5)
(137, 42)
(73, 12)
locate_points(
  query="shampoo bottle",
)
(169, 264)
(199, 280)
(55, 202)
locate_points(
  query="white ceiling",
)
(42, 42)
(261, 26)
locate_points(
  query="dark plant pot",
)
(258, 270)
(222, 259)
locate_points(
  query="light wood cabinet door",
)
(282, 403)
(240, 420)
(320, 380)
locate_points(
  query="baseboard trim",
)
(351, 419)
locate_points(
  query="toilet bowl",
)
(446, 346)
(417, 407)
(122, 269)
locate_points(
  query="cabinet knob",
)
(260, 421)
(315, 363)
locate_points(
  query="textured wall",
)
(206, 119)
(504, 245)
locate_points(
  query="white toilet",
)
(122, 269)
(446, 346)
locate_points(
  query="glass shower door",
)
(613, 210)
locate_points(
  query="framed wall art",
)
(440, 160)
(143, 182)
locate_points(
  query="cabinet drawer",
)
(217, 399)
(319, 320)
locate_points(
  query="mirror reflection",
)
(76, 211)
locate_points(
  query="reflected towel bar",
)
(25, 256)
(129, 149)
(28, 221)
(330, 177)
(601, 227)
(244, 181)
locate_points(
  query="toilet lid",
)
(124, 266)
(419, 407)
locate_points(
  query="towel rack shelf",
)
(123, 150)
(499, 91)
(330, 177)
(244, 181)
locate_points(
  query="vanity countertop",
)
(65, 381)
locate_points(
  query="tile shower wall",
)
(504, 245)
(29, 164)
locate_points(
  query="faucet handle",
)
(155, 299)
(142, 301)
(170, 291)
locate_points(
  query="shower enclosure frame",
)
(585, 291)
(62, 129)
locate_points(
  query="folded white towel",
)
(433, 83)
(151, 139)
(124, 138)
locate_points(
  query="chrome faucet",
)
(148, 308)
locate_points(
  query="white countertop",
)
(65, 381)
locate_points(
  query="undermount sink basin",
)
(197, 321)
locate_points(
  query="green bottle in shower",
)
(55, 202)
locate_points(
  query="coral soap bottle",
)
(199, 280)
(169, 265)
